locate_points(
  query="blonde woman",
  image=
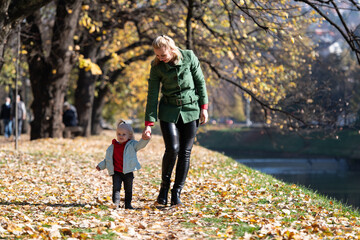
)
(121, 161)
(182, 106)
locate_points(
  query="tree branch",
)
(263, 105)
(22, 8)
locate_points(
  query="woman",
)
(183, 103)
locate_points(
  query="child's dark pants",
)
(118, 178)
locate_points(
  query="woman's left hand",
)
(204, 116)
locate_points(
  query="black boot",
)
(175, 197)
(163, 196)
(182, 168)
(128, 206)
(168, 163)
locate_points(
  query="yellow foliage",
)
(88, 65)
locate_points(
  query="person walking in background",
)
(183, 104)
(6, 117)
(121, 161)
(69, 115)
(21, 116)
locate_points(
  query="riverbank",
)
(50, 189)
(271, 143)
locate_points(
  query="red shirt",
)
(118, 156)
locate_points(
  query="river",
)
(336, 178)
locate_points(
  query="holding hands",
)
(146, 135)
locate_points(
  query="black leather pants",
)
(179, 140)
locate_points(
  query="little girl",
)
(121, 160)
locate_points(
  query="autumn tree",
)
(110, 40)
(48, 40)
(256, 46)
(11, 13)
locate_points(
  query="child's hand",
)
(146, 135)
(97, 168)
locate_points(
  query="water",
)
(337, 178)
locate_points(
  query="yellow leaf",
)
(242, 19)
(95, 69)
(230, 55)
(92, 29)
(292, 84)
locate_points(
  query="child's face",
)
(122, 135)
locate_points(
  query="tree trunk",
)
(84, 97)
(103, 90)
(5, 28)
(85, 90)
(99, 103)
(49, 76)
(189, 42)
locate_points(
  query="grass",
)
(247, 142)
(222, 199)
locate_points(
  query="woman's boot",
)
(168, 163)
(163, 196)
(175, 197)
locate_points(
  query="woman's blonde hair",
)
(123, 125)
(168, 43)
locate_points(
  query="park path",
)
(50, 189)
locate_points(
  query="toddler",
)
(121, 161)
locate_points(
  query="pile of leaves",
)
(51, 189)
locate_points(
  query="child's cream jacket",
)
(130, 163)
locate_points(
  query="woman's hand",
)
(146, 135)
(204, 116)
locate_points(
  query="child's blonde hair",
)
(168, 43)
(123, 125)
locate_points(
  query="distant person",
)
(121, 161)
(21, 115)
(6, 117)
(69, 115)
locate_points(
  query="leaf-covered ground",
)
(51, 189)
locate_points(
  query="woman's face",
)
(164, 54)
